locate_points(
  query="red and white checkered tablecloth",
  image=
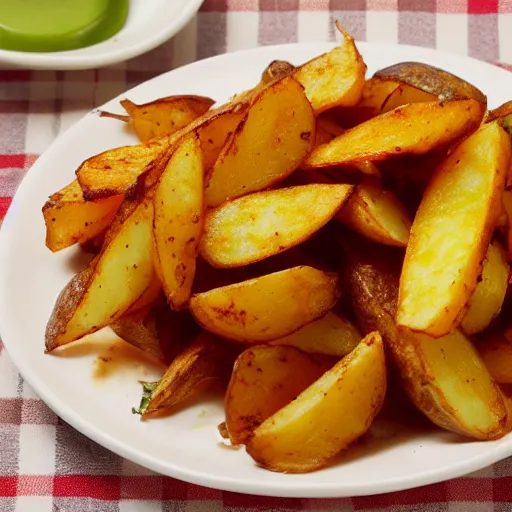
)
(45, 465)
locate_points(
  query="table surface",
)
(46, 465)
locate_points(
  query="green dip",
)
(58, 25)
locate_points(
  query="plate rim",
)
(495, 453)
(62, 61)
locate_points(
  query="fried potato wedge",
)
(115, 279)
(69, 219)
(139, 329)
(444, 377)
(264, 380)
(178, 220)
(412, 129)
(495, 349)
(271, 141)
(254, 227)
(117, 171)
(487, 299)
(325, 418)
(331, 335)
(335, 78)
(377, 214)
(164, 116)
(201, 364)
(405, 94)
(151, 296)
(267, 307)
(452, 231)
(439, 83)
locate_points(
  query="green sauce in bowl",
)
(59, 25)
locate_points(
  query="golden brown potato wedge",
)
(276, 70)
(412, 129)
(495, 349)
(69, 219)
(163, 116)
(331, 335)
(377, 214)
(268, 145)
(267, 307)
(325, 418)
(264, 380)
(335, 78)
(429, 79)
(178, 220)
(115, 171)
(114, 280)
(254, 227)
(487, 299)
(444, 377)
(205, 361)
(451, 233)
(118, 171)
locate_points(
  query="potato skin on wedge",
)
(444, 377)
(264, 380)
(260, 225)
(326, 417)
(412, 129)
(451, 233)
(178, 220)
(267, 307)
(115, 279)
(429, 79)
(270, 142)
(205, 361)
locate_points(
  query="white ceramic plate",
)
(186, 445)
(149, 24)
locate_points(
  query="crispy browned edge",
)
(204, 100)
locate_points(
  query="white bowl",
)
(149, 24)
(186, 445)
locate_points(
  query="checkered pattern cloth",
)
(45, 465)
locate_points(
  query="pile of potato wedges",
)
(302, 244)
